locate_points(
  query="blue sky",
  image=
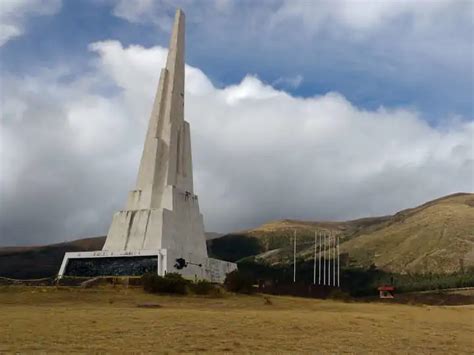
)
(298, 109)
(389, 64)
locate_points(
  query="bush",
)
(174, 283)
(203, 287)
(236, 281)
(170, 283)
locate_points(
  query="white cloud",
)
(364, 15)
(161, 12)
(133, 10)
(250, 89)
(259, 153)
(14, 15)
(354, 15)
(289, 82)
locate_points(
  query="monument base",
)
(137, 263)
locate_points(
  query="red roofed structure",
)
(386, 291)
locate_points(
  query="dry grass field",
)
(108, 320)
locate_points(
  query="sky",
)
(313, 110)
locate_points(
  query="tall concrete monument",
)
(161, 228)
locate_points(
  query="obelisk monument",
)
(163, 211)
(162, 214)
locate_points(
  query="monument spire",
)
(161, 227)
(165, 178)
(166, 158)
(175, 59)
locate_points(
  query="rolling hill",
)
(436, 237)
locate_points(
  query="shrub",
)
(203, 287)
(236, 281)
(170, 283)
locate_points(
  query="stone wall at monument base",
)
(118, 266)
(137, 263)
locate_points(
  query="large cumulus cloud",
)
(71, 147)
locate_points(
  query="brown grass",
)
(108, 320)
(436, 237)
(431, 238)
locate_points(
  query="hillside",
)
(272, 240)
(436, 237)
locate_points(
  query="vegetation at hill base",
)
(170, 283)
(355, 281)
(239, 282)
(174, 283)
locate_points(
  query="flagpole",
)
(330, 258)
(320, 249)
(314, 260)
(324, 261)
(334, 260)
(338, 265)
(294, 257)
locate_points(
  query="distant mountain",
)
(436, 237)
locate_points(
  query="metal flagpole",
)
(334, 262)
(320, 250)
(324, 261)
(338, 265)
(314, 261)
(329, 259)
(294, 257)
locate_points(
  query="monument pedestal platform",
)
(137, 263)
